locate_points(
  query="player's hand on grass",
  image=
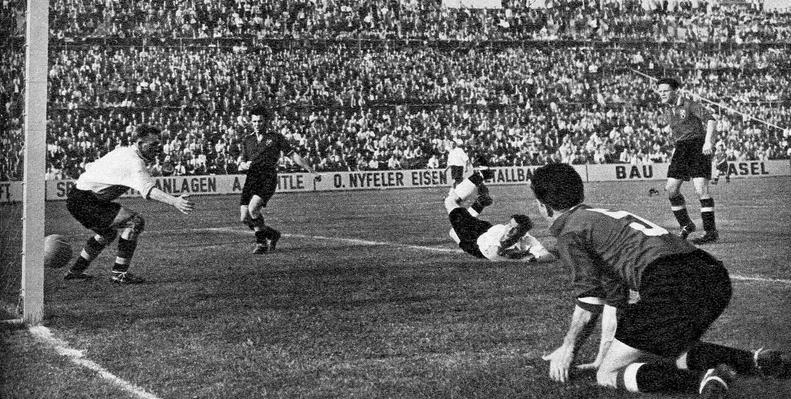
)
(560, 363)
(183, 204)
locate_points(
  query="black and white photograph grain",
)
(395, 199)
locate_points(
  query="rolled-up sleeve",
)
(140, 179)
(585, 273)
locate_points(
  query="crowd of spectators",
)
(386, 104)
(654, 20)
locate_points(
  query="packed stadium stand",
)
(390, 84)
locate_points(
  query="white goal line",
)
(44, 335)
(240, 231)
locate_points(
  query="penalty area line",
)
(424, 248)
(44, 335)
(356, 241)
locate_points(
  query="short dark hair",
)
(144, 131)
(558, 186)
(672, 82)
(261, 110)
(523, 220)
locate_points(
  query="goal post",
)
(35, 125)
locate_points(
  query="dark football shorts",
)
(689, 161)
(457, 173)
(468, 228)
(262, 185)
(93, 213)
(680, 297)
(722, 166)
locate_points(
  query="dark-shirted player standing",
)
(721, 164)
(692, 126)
(260, 155)
(682, 291)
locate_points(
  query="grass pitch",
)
(366, 297)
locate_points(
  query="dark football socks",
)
(80, 265)
(707, 214)
(679, 207)
(704, 356)
(476, 179)
(126, 248)
(658, 377)
(91, 250)
(261, 236)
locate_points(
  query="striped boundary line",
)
(421, 248)
(44, 335)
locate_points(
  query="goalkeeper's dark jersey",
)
(265, 153)
(608, 250)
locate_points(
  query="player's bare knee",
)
(106, 237)
(134, 227)
(255, 213)
(451, 202)
(244, 213)
(681, 362)
(607, 378)
(702, 192)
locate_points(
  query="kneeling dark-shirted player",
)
(482, 239)
(682, 291)
(261, 152)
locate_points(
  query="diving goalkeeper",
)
(481, 239)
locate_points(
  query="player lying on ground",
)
(482, 239)
(682, 291)
(91, 202)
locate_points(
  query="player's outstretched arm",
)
(303, 163)
(608, 325)
(182, 203)
(708, 144)
(561, 358)
(242, 161)
(538, 250)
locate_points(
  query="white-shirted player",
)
(458, 162)
(91, 203)
(482, 239)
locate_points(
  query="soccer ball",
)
(57, 251)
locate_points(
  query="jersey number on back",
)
(635, 222)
